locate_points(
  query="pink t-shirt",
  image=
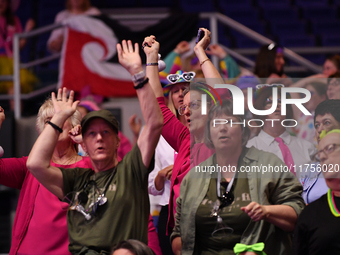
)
(52, 240)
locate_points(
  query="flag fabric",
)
(89, 55)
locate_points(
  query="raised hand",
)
(75, 134)
(64, 106)
(128, 57)
(135, 124)
(205, 41)
(151, 48)
(182, 47)
(216, 50)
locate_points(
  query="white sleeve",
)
(152, 176)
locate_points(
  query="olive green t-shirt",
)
(232, 216)
(124, 216)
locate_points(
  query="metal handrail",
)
(214, 18)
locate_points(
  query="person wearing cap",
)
(87, 106)
(110, 202)
(274, 138)
(317, 230)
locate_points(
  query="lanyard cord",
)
(219, 184)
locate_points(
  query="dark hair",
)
(334, 75)
(265, 62)
(335, 59)
(320, 87)
(331, 106)
(134, 246)
(227, 109)
(9, 15)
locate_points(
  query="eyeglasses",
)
(186, 76)
(260, 86)
(270, 102)
(193, 105)
(328, 149)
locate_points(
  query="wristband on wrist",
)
(54, 126)
(141, 84)
(152, 64)
(204, 61)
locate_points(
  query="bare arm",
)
(129, 58)
(282, 216)
(39, 159)
(209, 70)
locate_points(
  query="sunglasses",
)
(186, 76)
(227, 197)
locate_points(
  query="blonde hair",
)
(171, 104)
(86, 5)
(47, 111)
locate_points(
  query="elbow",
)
(33, 166)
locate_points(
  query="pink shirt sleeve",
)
(174, 131)
(13, 172)
(153, 242)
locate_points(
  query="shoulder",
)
(93, 11)
(62, 15)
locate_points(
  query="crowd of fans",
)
(84, 188)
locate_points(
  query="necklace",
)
(331, 203)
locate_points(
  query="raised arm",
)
(39, 159)
(129, 58)
(208, 69)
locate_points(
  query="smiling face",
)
(325, 122)
(101, 142)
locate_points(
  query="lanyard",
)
(219, 184)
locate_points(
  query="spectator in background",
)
(274, 137)
(333, 88)
(243, 83)
(331, 66)
(10, 25)
(73, 8)
(87, 106)
(174, 61)
(317, 230)
(305, 127)
(269, 65)
(326, 118)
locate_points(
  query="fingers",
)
(148, 41)
(254, 210)
(125, 46)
